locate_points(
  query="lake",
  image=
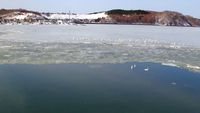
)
(98, 88)
(99, 69)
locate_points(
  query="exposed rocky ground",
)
(166, 18)
(140, 17)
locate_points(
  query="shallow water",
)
(98, 88)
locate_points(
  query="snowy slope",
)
(21, 16)
(76, 16)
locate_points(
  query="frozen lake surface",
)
(52, 44)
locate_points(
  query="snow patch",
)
(22, 16)
(77, 16)
(170, 64)
(193, 67)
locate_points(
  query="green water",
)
(98, 88)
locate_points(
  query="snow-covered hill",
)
(75, 16)
(21, 16)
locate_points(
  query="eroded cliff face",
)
(193, 21)
(171, 19)
(166, 18)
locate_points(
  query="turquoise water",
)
(98, 88)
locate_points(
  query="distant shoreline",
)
(116, 16)
(94, 24)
